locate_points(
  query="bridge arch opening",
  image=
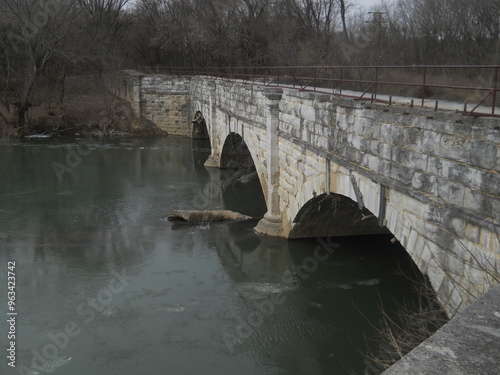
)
(241, 187)
(199, 126)
(334, 215)
(235, 153)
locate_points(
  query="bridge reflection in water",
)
(212, 298)
(313, 299)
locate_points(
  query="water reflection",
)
(211, 299)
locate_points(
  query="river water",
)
(105, 285)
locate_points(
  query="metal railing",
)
(466, 86)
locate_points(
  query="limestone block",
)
(435, 166)
(401, 173)
(375, 148)
(431, 143)
(466, 175)
(401, 156)
(342, 122)
(307, 112)
(325, 117)
(492, 135)
(355, 141)
(359, 126)
(445, 289)
(290, 119)
(418, 246)
(386, 133)
(371, 162)
(376, 130)
(321, 142)
(418, 161)
(455, 193)
(473, 200)
(424, 182)
(423, 260)
(435, 272)
(284, 195)
(393, 220)
(387, 151)
(482, 154)
(487, 239)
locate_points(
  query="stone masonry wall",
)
(233, 108)
(162, 99)
(165, 101)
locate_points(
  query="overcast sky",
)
(367, 3)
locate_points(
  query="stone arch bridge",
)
(335, 166)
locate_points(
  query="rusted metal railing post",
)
(315, 77)
(424, 81)
(376, 84)
(341, 79)
(494, 87)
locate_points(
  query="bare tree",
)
(343, 12)
(102, 31)
(36, 31)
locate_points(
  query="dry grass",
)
(400, 332)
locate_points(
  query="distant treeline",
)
(43, 41)
(315, 32)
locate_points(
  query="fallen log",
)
(194, 216)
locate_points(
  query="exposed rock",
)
(193, 216)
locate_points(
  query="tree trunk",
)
(61, 82)
(24, 103)
(342, 17)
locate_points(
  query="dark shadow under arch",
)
(199, 128)
(241, 187)
(334, 215)
(235, 153)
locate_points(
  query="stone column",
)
(213, 159)
(271, 223)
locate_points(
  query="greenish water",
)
(105, 285)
